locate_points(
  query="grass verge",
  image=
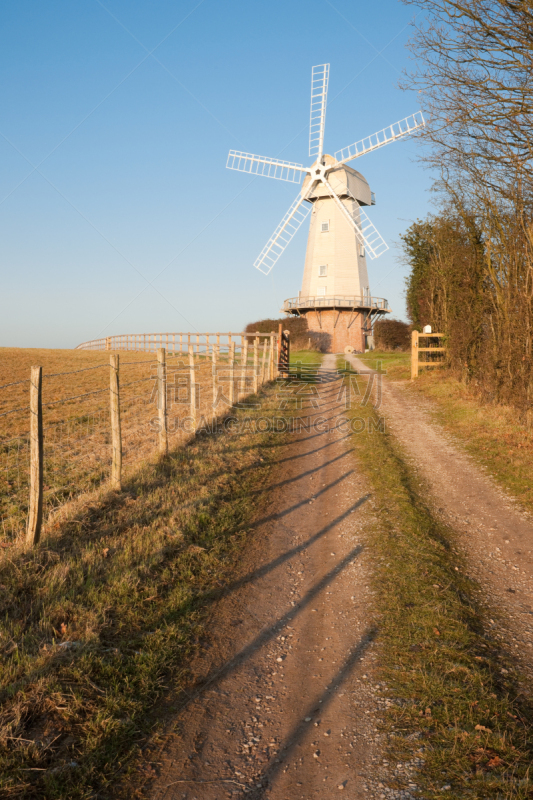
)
(307, 357)
(492, 434)
(397, 365)
(457, 702)
(108, 609)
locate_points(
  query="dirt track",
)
(283, 708)
(495, 533)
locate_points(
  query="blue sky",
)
(116, 211)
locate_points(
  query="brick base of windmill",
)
(342, 324)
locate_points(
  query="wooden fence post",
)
(280, 347)
(244, 365)
(232, 374)
(263, 364)
(35, 516)
(162, 399)
(414, 355)
(116, 435)
(192, 373)
(256, 364)
(214, 358)
(271, 357)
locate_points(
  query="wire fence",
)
(174, 343)
(161, 401)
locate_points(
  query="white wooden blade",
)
(282, 235)
(319, 96)
(373, 240)
(268, 167)
(365, 230)
(396, 131)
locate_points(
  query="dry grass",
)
(493, 434)
(77, 431)
(105, 613)
(397, 365)
(458, 712)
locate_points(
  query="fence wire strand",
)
(74, 397)
(141, 380)
(14, 410)
(15, 383)
(74, 372)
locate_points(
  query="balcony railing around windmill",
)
(376, 305)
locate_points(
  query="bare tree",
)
(474, 72)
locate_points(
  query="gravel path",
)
(283, 706)
(495, 533)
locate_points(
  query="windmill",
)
(335, 295)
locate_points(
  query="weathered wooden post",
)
(264, 361)
(231, 397)
(244, 365)
(414, 354)
(192, 373)
(215, 363)
(272, 355)
(116, 435)
(35, 515)
(162, 399)
(256, 363)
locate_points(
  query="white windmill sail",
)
(317, 121)
(390, 134)
(267, 167)
(374, 241)
(282, 235)
(318, 173)
(365, 230)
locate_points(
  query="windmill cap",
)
(346, 182)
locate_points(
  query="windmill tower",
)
(335, 296)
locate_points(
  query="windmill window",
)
(361, 250)
(322, 271)
(321, 290)
(325, 227)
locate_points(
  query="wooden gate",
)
(432, 341)
(284, 351)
